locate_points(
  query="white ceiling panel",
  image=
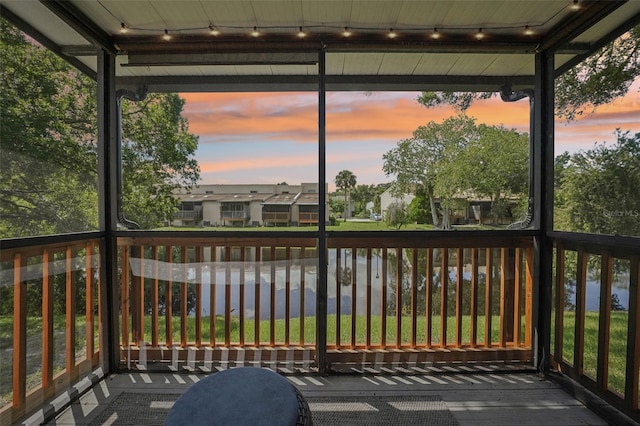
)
(399, 63)
(503, 52)
(509, 65)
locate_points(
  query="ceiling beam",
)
(205, 58)
(297, 83)
(617, 32)
(81, 23)
(568, 29)
(184, 44)
(45, 41)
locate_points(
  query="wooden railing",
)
(207, 300)
(188, 214)
(596, 315)
(199, 298)
(479, 309)
(54, 290)
(282, 217)
(308, 217)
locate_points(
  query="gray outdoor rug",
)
(380, 410)
(152, 408)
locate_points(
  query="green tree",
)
(419, 210)
(157, 157)
(417, 161)
(456, 159)
(345, 181)
(397, 215)
(48, 167)
(602, 77)
(363, 194)
(598, 188)
(48, 180)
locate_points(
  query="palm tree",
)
(345, 180)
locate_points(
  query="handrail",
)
(67, 265)
(591, 263)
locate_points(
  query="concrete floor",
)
(474, 398)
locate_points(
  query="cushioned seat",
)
(240, 396)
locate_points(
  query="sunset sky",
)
(273, 137)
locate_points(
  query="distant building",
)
(386, 199)
(248, 205)
(471, 209)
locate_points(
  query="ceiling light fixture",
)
(479, 35)
(346, 32)
(213, 31)
(166, 36)
(575, 5)
(255, 32)
(435, 34)
(392, 34)
(123, 28)
(301, 33)
(528, 31)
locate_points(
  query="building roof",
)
(286, 199)
(308, 198)
(278, 59)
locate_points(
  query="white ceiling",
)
(504, 54)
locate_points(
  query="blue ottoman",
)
(241, 396)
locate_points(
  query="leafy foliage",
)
(597, 190)
(48, 137)
(48, 175)
(397, 215)
(345, 181)
(457, 159)
(602, 77)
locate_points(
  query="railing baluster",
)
(184, 258)
(155, 296)
(368, 302)
(198, 289)
(459, 295)
(503, 297)
(414, 297)
(213, 274)
(88, 302)
(140, 296)
(47, 318)
(338, 294)
(241, 319)
(604, 329)
(169, 297)
(528, 296)
(124, 294)
(473, 308)
(517, 317)
(488, 311)
(272, 307)
(354, 280)
(398, 297)
(428, 304)
(581, 283)
(559, 326)
(70, 301)
(383, 300)
(303, 258)
(258, 252)
(287, 296)
(632, 373)
(19, 331)
(227, 295)
(444, 290)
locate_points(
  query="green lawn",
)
(617, 345)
